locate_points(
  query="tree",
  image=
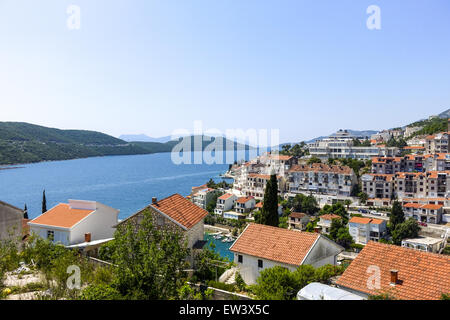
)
(44, 202)
(211, 184)
(25, 212)
(150, 260)
(313, 160)
(397, 216)
(340, 234)
(362, 197)
(275, 283)
(269, 212)
(347, 203)
(305, 204)
(408, 229)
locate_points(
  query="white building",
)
(325, 222)
(225, 203)
(340, 146)
(426, 244)
(244, 204)
(364, 230)
(260, 247)
(202, 197)
(76, 222)
(430, 213)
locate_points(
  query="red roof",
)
(275, 244)
(421, 275)
(329, 216)
(181, 210)
(225, 196)
(244, 199)
(62, 216)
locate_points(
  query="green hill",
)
(25, 143)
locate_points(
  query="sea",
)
(127, 183)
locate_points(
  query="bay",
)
(127, 183)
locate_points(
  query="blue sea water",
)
(220, 247)
(127, 183)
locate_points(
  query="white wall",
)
(99, 224)
(60, 235)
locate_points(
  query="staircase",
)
(229, 276)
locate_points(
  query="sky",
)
(306, 68)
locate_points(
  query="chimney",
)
(154, 200)
(394, 277)
(87, 237)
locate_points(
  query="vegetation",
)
(305, 204)
(313, 160)
(408, 229)
(269, 212)
(209, 265)
(382, 296)
(44, 202)
(279, 283)
(430, 126)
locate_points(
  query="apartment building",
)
(322, 178)
(437, 143)
(256, 185)
(437, 162)
(364, 230)
(387, 165)
(225, 203)
(430, 213)
(340, 146)
(378, 185)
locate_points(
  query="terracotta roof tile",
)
(275, 244)
(297, 215)
(244, 199)
(181, 210)
(225, 196)
(62, 216)
(329, 216)
(421, 275)
(320, 167)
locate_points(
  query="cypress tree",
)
(270, 206)
(44, 203)
(397, 215)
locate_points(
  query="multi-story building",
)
(387, 165)
(318, 177)
(244, 204)
(203, 197)
(298, 220)
(256, 185)
(430, 213)
(432, 184)
(325, 222)
(364, 230)
(378, 185)
(340, 146)
(437, 162)
(225, 203)
(437, 143)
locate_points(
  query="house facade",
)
(322, 178)
(429, 213)
(202, 197)
(364, 230)
(260, 247)
(244, 204)
(76, 222)
(298, 221)
(225, 203)
(176, 212)
(325, 222)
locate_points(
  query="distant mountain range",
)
(144, 138)
(22, 142)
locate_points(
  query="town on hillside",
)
(339, 218)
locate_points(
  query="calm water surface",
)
(126, 183)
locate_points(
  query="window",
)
(50, 235)
(260, 263)
(240, 258)
(160, 221)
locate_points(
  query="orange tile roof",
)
(225, 196)
(412, 205)
(421, 275)
(297, 215)
(181, 210)
(329, 216)
(244, 199)
(360, 220)
(62, 216)
(432, 206)
(275, 244)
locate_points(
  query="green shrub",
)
(221, 285)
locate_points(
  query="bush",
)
(100, 292)
(221, 285)
(240, 283)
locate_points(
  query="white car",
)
(375, 213)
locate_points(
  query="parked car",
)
(375, 213)
(423, 224)
(362, 210)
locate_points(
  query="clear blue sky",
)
(307, 68)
